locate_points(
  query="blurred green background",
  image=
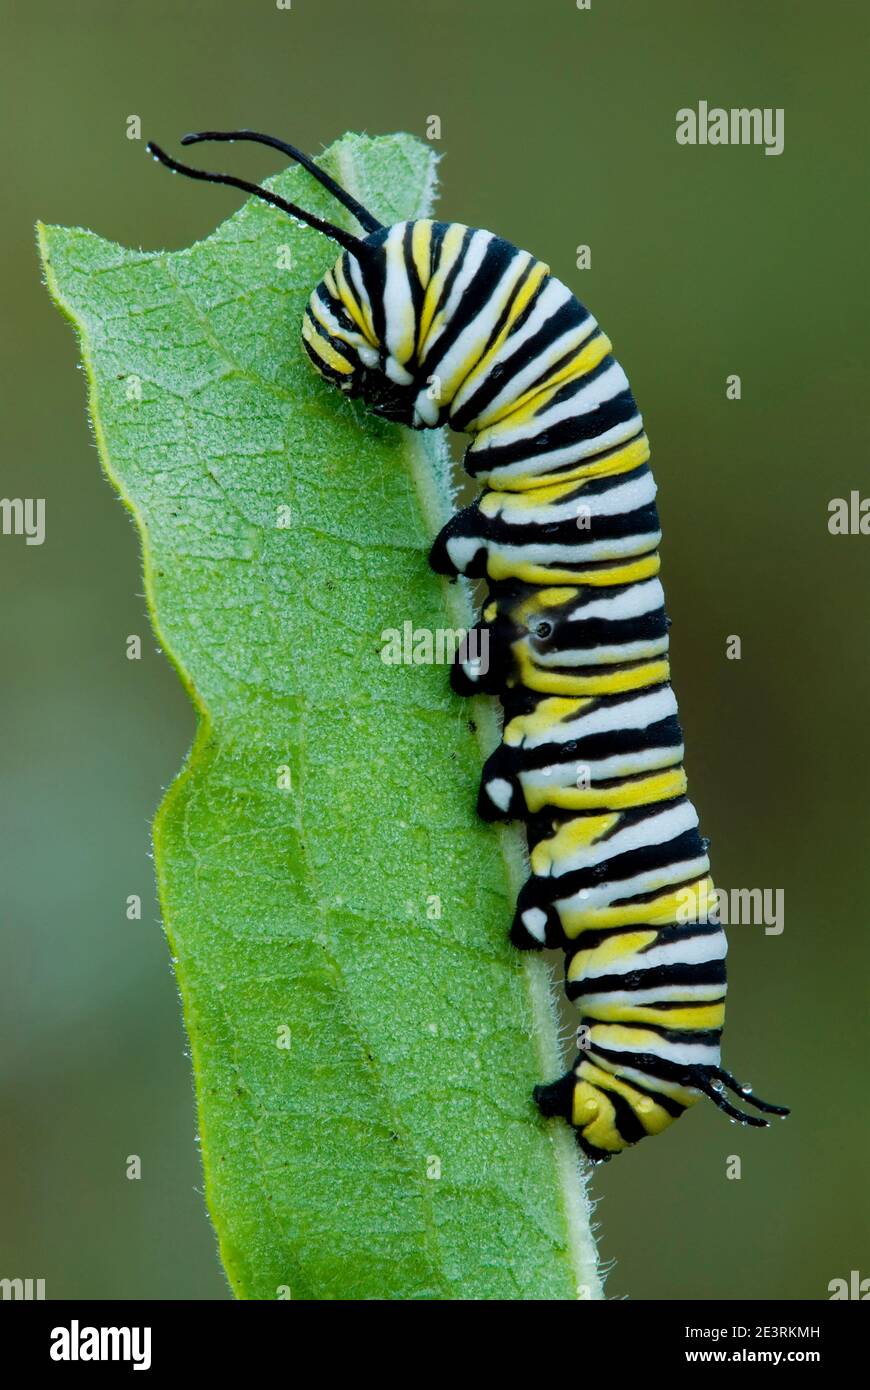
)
(557, 129)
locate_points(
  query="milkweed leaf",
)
(364, 1039)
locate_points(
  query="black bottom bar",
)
(618, 1336)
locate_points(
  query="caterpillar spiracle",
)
(435, 323)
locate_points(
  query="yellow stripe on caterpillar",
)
(430, 322)
(499, 569)
(693, 1016)
(613, 948)
(631, 455)
(543, 719)
(325, 350)
(664, 910)
(350, 301)
(617, 682)
(640, 791)
(538, 397)
(575, 834)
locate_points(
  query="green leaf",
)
(364, 1065)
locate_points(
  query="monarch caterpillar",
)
(433, 323)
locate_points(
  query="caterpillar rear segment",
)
(591, 758)
(435, 323)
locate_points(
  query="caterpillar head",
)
(344, 336)
(343, 333)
